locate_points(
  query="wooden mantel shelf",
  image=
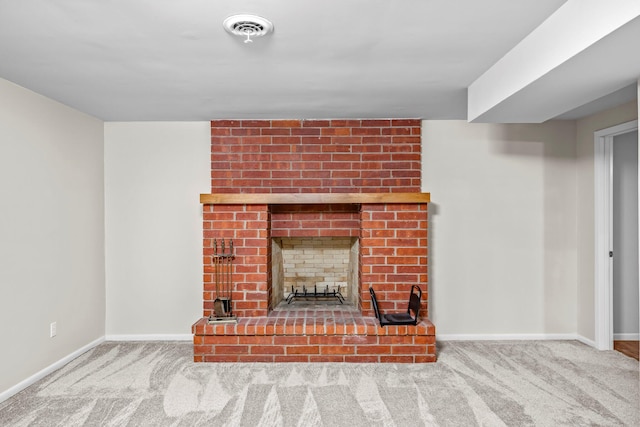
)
(312, 198)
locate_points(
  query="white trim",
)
(586, 341)
(150, 337)
(46, 371)
(507, 337)
(603, 274)
(626, 337)
(602, 235)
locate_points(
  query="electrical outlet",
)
(52, 329)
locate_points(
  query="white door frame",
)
(603, 155)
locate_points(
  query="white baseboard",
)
(626, 337)
(150, 337)
(46, 371)
(516, 337)
(587, 341)
(506, 337)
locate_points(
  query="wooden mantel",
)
(312, 198)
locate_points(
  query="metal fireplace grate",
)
(323, 295)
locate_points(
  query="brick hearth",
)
(324, 157)
(318, 335)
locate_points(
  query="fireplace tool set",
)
(223, 274)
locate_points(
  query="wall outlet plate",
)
(52, 330)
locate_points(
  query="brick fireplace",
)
(353, 184)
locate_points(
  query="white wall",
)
(586, 208)
(154, 174)
(502, 227)
(52, 232)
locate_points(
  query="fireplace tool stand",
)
(222, 272)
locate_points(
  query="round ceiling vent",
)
(248, 26)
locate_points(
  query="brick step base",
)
(313, 338)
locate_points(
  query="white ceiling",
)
(129, 60)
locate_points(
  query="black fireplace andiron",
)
(223, 278)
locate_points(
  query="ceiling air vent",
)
(248, 26)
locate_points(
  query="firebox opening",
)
(314, 270)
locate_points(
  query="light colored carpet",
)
(542, 383)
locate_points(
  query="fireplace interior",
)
(314, 271)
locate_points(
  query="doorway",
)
(615, 308)
(626, 321)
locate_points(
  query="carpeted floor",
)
(541, 383)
